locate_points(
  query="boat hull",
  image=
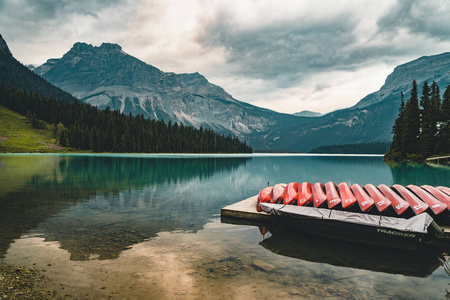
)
(366, 229)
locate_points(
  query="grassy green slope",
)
(18, 136)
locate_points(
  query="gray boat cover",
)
(418, 224)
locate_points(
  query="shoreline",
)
(21, 282)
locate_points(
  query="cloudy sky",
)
(284, 55)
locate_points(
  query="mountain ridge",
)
(105, 76)
(307, 113)
(422, 69)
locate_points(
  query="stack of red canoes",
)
(398, 198)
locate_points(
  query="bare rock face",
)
(106, 76)
(427, 68)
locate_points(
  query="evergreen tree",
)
(444, 124)
(435, 116)
(428, 123)
(398, 128)
(83, 126)
(436, 102)
(411, 127)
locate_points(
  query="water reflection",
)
(53, 208)
(419, 174)
(351, 169)
(352, 255)
(96, 207)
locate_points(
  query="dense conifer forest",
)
(422, 128)
(358, 148)
(85, 127)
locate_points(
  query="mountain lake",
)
(149, 227)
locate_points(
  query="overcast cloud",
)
(287, 56)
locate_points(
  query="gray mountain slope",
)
(427, 68)
(106, 76)
(15, 75)
(372, 118)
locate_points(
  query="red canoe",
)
(381, 201)
(304, 194)
(444, 189)
(417, 205)
(441, 196)
(398, 203)
(265, 195)
(435, 205)
(278, 193)
(333, 197)
(319, 196)
(347, 197)
(291, 192)
(364, 200)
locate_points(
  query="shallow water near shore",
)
(134, 226)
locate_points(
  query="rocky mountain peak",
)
(81, 47)
(110, 47)
(3, 46)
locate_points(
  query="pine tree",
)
(444, 124)
(435, 116)
(397, 129)
(411, 122)
(427, 125)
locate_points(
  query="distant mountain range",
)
(307, 113)
(371, 119)
(105, 76)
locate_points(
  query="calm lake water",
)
(148, 226)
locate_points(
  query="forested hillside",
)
(360, 148)
(85, 127)
(422, 128)
(15, 75)
(82, 126)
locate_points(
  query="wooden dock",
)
(244, 213)
(439, 160)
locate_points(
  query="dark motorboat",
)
(362, 228)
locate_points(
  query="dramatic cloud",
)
(288, 56)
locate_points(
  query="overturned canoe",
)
(305, 195)
(396, 201)
(381, 202)
(348, 198)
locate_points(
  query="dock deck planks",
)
(245, 209)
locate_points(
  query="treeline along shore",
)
(84, 127)
(422, 128)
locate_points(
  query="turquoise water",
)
(134, 225)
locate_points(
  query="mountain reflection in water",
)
(96, 207)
